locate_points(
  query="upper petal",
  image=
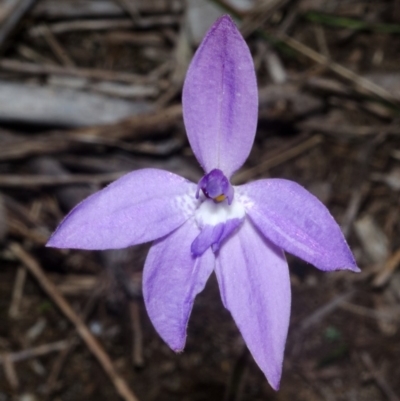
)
(220, 100)
(172, 278)
(298, 222)
(139, 207)
(254, 281)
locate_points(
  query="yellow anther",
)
(220, 198)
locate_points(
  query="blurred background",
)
(89, 90)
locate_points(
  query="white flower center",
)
(210, 213)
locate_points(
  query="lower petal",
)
(172, 278)
(253, 277)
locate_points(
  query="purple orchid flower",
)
(238, 232)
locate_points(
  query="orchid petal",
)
(220, 100)
(253, 277)
(214, 236)
(295, 220)
(208, 236)
(172, 278)
(139, 207)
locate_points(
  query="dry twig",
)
(18, 181)
(109, 24)
(16, 14)
(338, 69)
(72, 342)
(276, 160)
(388, 269)
(352, 131)
(130, 7)
(33, 352)
(388, 316)
(45, 69)
(10, 372)
(17, 292)
(259, 15)
(56, 47)
(353, 207)
(378, 377)
(133, 128)
(325, 310)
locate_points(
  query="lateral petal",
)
(295, 220)
(220, 100)
(172, 278)
(139, 207)
(253, 277)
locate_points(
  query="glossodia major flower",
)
(240, 232)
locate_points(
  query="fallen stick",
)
(72, 9)
(276, 160)
(135, 127)
(130, 8)
(340, 70)
(56, 47)
(348, 130)
(109, 24)
(325, 310)
(18, 181)
(357, 196)
(10, 372)
(91, 342)
(378, 377)
(389, 316)
(64, 107)
(72, 342)
(17, 293)
(258, 16)
(13, 18)
(33, 352)
(41, 69)
(387, 270)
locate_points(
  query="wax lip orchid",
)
(238, 232)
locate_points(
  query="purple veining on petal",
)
(215, 186)
(220, 99)
(214, 236)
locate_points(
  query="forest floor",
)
(91, 89)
